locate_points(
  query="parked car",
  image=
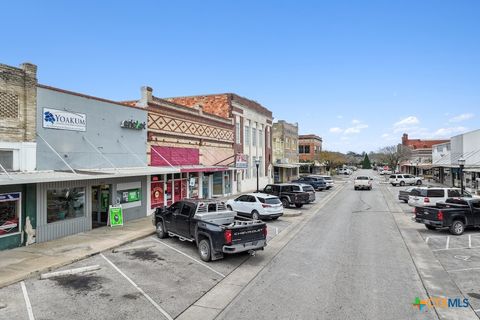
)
(305, 188)
(404, 194)
(427, 196)
(454, 214)
(385, 172)
(316, 182)
(257, 206)
(403, 179)
(328, 180)
(362, 182)
(286, 193)
(344, 171)
(211, 226)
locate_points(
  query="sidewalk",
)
(20, 263)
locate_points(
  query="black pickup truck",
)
(211, 226)
(454, 214)
(287, 194)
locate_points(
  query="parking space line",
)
(461, 248)
(276, 231)
(27, 301)
(191, 258)
(426, 240)
(477, 310)
(448, 243)
(138, 288)
(469, 241)
(466, 269)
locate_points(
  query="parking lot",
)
(459, 255)
(147, 279)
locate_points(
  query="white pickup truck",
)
(362, 182)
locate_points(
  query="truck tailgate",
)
(243, 234)
(428, 213)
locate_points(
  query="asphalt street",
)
(348, 262)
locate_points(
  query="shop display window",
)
(63, 204)
(10, 213)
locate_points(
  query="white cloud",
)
(339, 116)
(355, 121)
(356, 128)
(336, 130)
(462, 117)
(448, 132)
(408, 121)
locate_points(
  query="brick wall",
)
(216, 104)
(18, 103)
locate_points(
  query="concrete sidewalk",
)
(20, 263)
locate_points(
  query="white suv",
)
(257, 206)
(424, 196)
(403, 179)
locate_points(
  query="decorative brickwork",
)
(8, 105)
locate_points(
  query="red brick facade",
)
(314, 144)
(419, 143)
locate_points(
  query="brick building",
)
(18, 94)
(285, 151)
(252, 135)
(198, 143)
(310, 149)
(420, 161)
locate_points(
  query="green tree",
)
(366, 162)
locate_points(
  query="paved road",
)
(349, 262)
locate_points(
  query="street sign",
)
(115, 216)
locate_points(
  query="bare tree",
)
(393, 155)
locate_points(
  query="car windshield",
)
(327, 178)
(273, 200)
(362, 178)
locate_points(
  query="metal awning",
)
(202, 168)
(86, 174)
(286, 165)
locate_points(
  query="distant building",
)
(285, 151)
(309, 150)
(420, 161)
(252, 135)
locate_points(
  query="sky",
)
(357, 73)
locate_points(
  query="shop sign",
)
(10, 196)
(131, 195)
(192, 182)
(115, 216)
(241, 161)
(64, 120)
(131, 124)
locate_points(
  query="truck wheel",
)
(355, 188)
(394, 184)
(298, 205)
(204, 250)
(402, 183)
(255, 215)
(457, 228)
(160, 230)
(419, 182)
(429, 227)
(229, 207)
(285, 202)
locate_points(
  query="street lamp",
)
(461, 163)
(257, 164)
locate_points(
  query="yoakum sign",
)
(64, 120)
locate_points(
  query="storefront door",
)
(178, 190)
(100, 202)
(206, 186)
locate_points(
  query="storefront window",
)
(193, 185)
(10, 213)
(131, 195)
(217, 183)
(63, 204)
(226, 182)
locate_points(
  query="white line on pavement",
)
(448, 243)
(461, 248)
(477, 310)
(466, 269)
(138, 288)
(276, 231)
(426, 240)
(27, 301)
(192, 258)
(469, 241)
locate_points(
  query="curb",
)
(212, 303)
(28, 274)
